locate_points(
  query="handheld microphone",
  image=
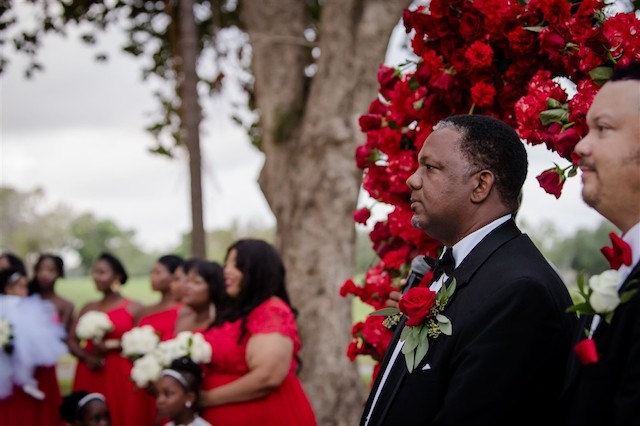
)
(419, 268)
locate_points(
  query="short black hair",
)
(171, 261)
(187, 264)
(491, 144)
(630, 71)
(116, 266)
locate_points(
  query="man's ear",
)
(484, 181)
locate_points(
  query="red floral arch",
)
(494, 57)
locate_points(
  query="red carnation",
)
(482, 94)
(362, 215)
(479, 55)
(370, 122)
(552, 181)
(416, 304)
(353, 350)
(347, 288)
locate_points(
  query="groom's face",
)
(610, 153)
(441, 186)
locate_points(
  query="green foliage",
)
(91, 236)
(81, 290)
(26, 226)
(579, 252)
(219, 240)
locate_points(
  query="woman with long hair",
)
(251, 379)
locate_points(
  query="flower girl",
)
(178, 388)
(29, 335)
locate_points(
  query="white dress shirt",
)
(460, 251)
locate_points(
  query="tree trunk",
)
(309, 177)
(191, 117)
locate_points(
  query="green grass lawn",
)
(80, 290)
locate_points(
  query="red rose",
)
(551, 41)
(396, 258)
(565, 142)
(416, 304)
(552, 181)
(482, 94)
(370, 122)
(471, 25)
(361, 215)
(363, 155)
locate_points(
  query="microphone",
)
(419, 268)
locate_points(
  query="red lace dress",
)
(284, 406)
(113, 380)
(164, 322)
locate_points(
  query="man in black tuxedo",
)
(504, 362)
(607, 392)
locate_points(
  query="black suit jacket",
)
(505, 361)
(608, 392)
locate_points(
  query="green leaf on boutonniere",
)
(444, 324)
(608, 317)
(451, 288)
(410, 344)
(579, 307)
(580, 280)
(408, 359)
(385, 312)
(421, 350)
(625, 296)
(404, 335)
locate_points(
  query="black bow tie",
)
(445, 265)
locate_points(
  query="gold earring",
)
(115, 285)
(187, 404)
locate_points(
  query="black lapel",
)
(463, 273)
(482, 251)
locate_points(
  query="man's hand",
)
(394, 296)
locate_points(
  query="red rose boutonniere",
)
(423, 308)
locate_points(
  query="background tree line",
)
(29, 225)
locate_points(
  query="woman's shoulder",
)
(272, 315)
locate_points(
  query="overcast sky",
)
(77, 131)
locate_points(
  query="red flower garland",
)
(492, 57)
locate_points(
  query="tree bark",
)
(187, 82)
(310, 132)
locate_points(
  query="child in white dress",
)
(33, 336)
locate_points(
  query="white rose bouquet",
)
(139, 341)
(93, 325)
(6, 336)
(147, 368)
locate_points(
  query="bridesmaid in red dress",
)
(251, 379)
(101, 367)
(202, 289)
(162, 316)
